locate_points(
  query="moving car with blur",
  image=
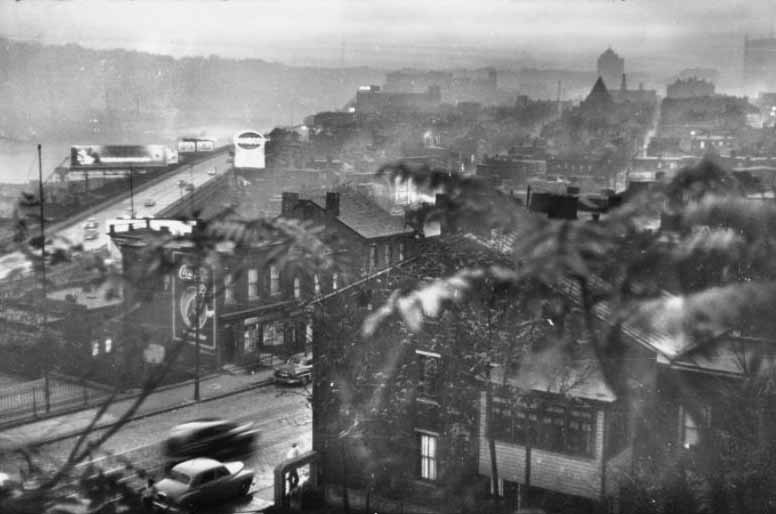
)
(209, 437)
(202, 481)
(298, 369)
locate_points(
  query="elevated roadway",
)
(148, 199)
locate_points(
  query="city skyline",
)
(422, 34)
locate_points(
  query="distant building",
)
(690, 88)
(610, 68)
(371, 100)
(598, 98)
(708, 74)
(640, 95)
(760, 62)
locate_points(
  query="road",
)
(148, 200)
(282, 415)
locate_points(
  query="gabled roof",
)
(362, 214)
(599, 93)
(554, 371)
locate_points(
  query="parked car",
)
(91, 224)
(150, 202)
(211, 171)
(209, 437)
(202, 481)
(298, 369)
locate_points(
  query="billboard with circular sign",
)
(249, 150)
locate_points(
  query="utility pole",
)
(198, 299)
(131, 194)
(46, 391)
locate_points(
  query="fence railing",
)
(30, 400)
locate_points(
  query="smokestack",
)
(333, 204)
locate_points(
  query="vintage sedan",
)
(202, 481)
(296, 370)
(209, 437)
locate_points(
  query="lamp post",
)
(196, 335)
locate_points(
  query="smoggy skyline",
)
(658, 35)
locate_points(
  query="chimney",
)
(288, 202)
(333, 204)
(442, 204)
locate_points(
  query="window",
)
(428, 456)
(108, 345)
(372, 257)
(297, 288)
(401, 251)
(273, 334)
(229, 287)
(253, 284)
(691, 427)
(335, 281)
(429, 372)
(251, 337)
(274, 280)
(555, 427)
(386, 255)
(95, 348)
(308, 333)
(316, 284)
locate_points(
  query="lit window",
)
(401, 251)
(690, 429)
(253, 284)
(229, 288)
(108, 345)
(428, 456)
(297, 288)
(317, 284)
(335, 281)
(95, 348)
(274, 280)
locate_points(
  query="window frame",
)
(274, 280)
(229, 297)
(428, 387)
(555, 426)
(253, 284)
(297, 284)
(428, 455)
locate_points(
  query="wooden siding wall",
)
(578, 476)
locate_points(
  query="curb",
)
(78, 408)
(148, 414)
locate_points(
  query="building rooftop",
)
(362, 214)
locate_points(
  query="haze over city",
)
(404, 33)
(396, 257)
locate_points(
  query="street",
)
(281, 414)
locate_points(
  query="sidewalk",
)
(164, 399)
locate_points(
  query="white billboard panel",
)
(249, 150)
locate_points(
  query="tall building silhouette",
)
(611, 68)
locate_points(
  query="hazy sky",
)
(398, 32)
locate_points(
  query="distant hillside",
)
(70, 91)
